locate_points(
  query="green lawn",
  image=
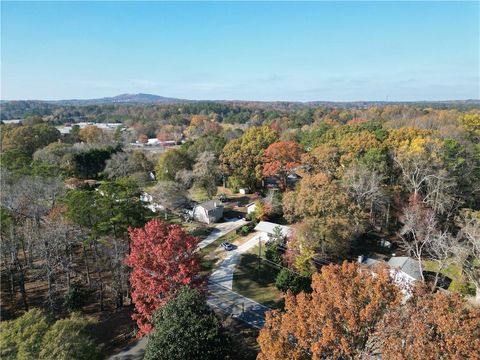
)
(454, 272)
(257, 281)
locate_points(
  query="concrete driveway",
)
(221, 229)
(223, 274)
(220, 286)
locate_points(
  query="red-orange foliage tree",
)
(335, 321)
(162, 259)
(356, 312)
(281, 158)
(430, 327)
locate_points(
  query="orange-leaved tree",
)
(430, 327)
(336, 320)
(162, 259)
(281, 158)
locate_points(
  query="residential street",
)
(238, 306)
(135, 351)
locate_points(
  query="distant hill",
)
(122, 99)
(142, 98)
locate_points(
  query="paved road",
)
(135, 351)
(220, 230)
(236, 305)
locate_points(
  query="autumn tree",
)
(355, 145)
(93, 134)
(471, 123)
(170, 163)
(324, 158)
(331, 219)
(336, 320)
(242, 158)
(262, 210)
(186, 328)
(206, 173)
(27, 139)
(418, 161)
(430, 326)
(316, 238)
(280, 158)
(162, 259)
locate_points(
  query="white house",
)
(404, 270)
(209, 211)
(266, 229)
(408, 269)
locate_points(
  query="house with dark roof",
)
(208, 212)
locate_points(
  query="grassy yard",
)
(257, 281)
(454, 272)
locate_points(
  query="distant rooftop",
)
(12, 121)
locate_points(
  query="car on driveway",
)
(227, 246)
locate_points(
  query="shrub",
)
(288, 280)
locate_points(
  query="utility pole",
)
(259, 254)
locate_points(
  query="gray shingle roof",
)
(406, 264)
(210, 205)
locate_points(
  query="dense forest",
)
(76, 236)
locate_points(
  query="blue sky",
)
(339, 51)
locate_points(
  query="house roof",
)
(210, 205)
(406, 264)
(269, 226)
